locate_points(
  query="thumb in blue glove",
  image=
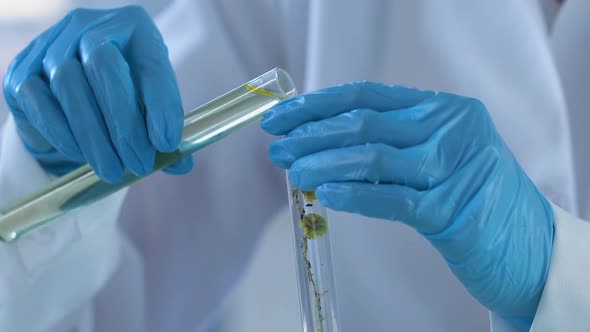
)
(97, 88)
(433, 161)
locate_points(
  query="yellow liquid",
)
(203, 126)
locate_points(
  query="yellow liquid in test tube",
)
(202, 126)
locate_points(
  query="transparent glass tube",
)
(315, 270)
(202, 126)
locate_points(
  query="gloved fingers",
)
(457, 197)
(182, 167)
(71, 88)
(436, 212)
(29, 61)
(110, 79)
(414, 167)
(326, 103)
(383, 201)
(402, 128)
(43, 124)
(37, 113)
(154, 76)
(32, 139)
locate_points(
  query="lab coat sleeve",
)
(565, 303)
(60, 266)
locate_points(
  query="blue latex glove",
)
(97, 88)
(433, 161)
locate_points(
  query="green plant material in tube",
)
(314, 226)
(309, 196)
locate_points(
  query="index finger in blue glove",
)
(401, 129)
(145, 65)
(71, 88)
(45, 115)
(37, 113)
(154, 76)
(332, 101)
(115, 93)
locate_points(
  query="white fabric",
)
(47, 277)
(187, 239)
(565, 304)
(571, 50)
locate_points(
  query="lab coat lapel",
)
(571, 49)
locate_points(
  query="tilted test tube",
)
(202, 126)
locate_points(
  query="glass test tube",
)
(202, 126)
(315, 271)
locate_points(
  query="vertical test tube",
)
(315, 272)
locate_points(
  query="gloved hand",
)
(433, 161)
(97, 88)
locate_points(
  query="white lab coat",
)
(182, 242)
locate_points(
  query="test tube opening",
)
(275, 83)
